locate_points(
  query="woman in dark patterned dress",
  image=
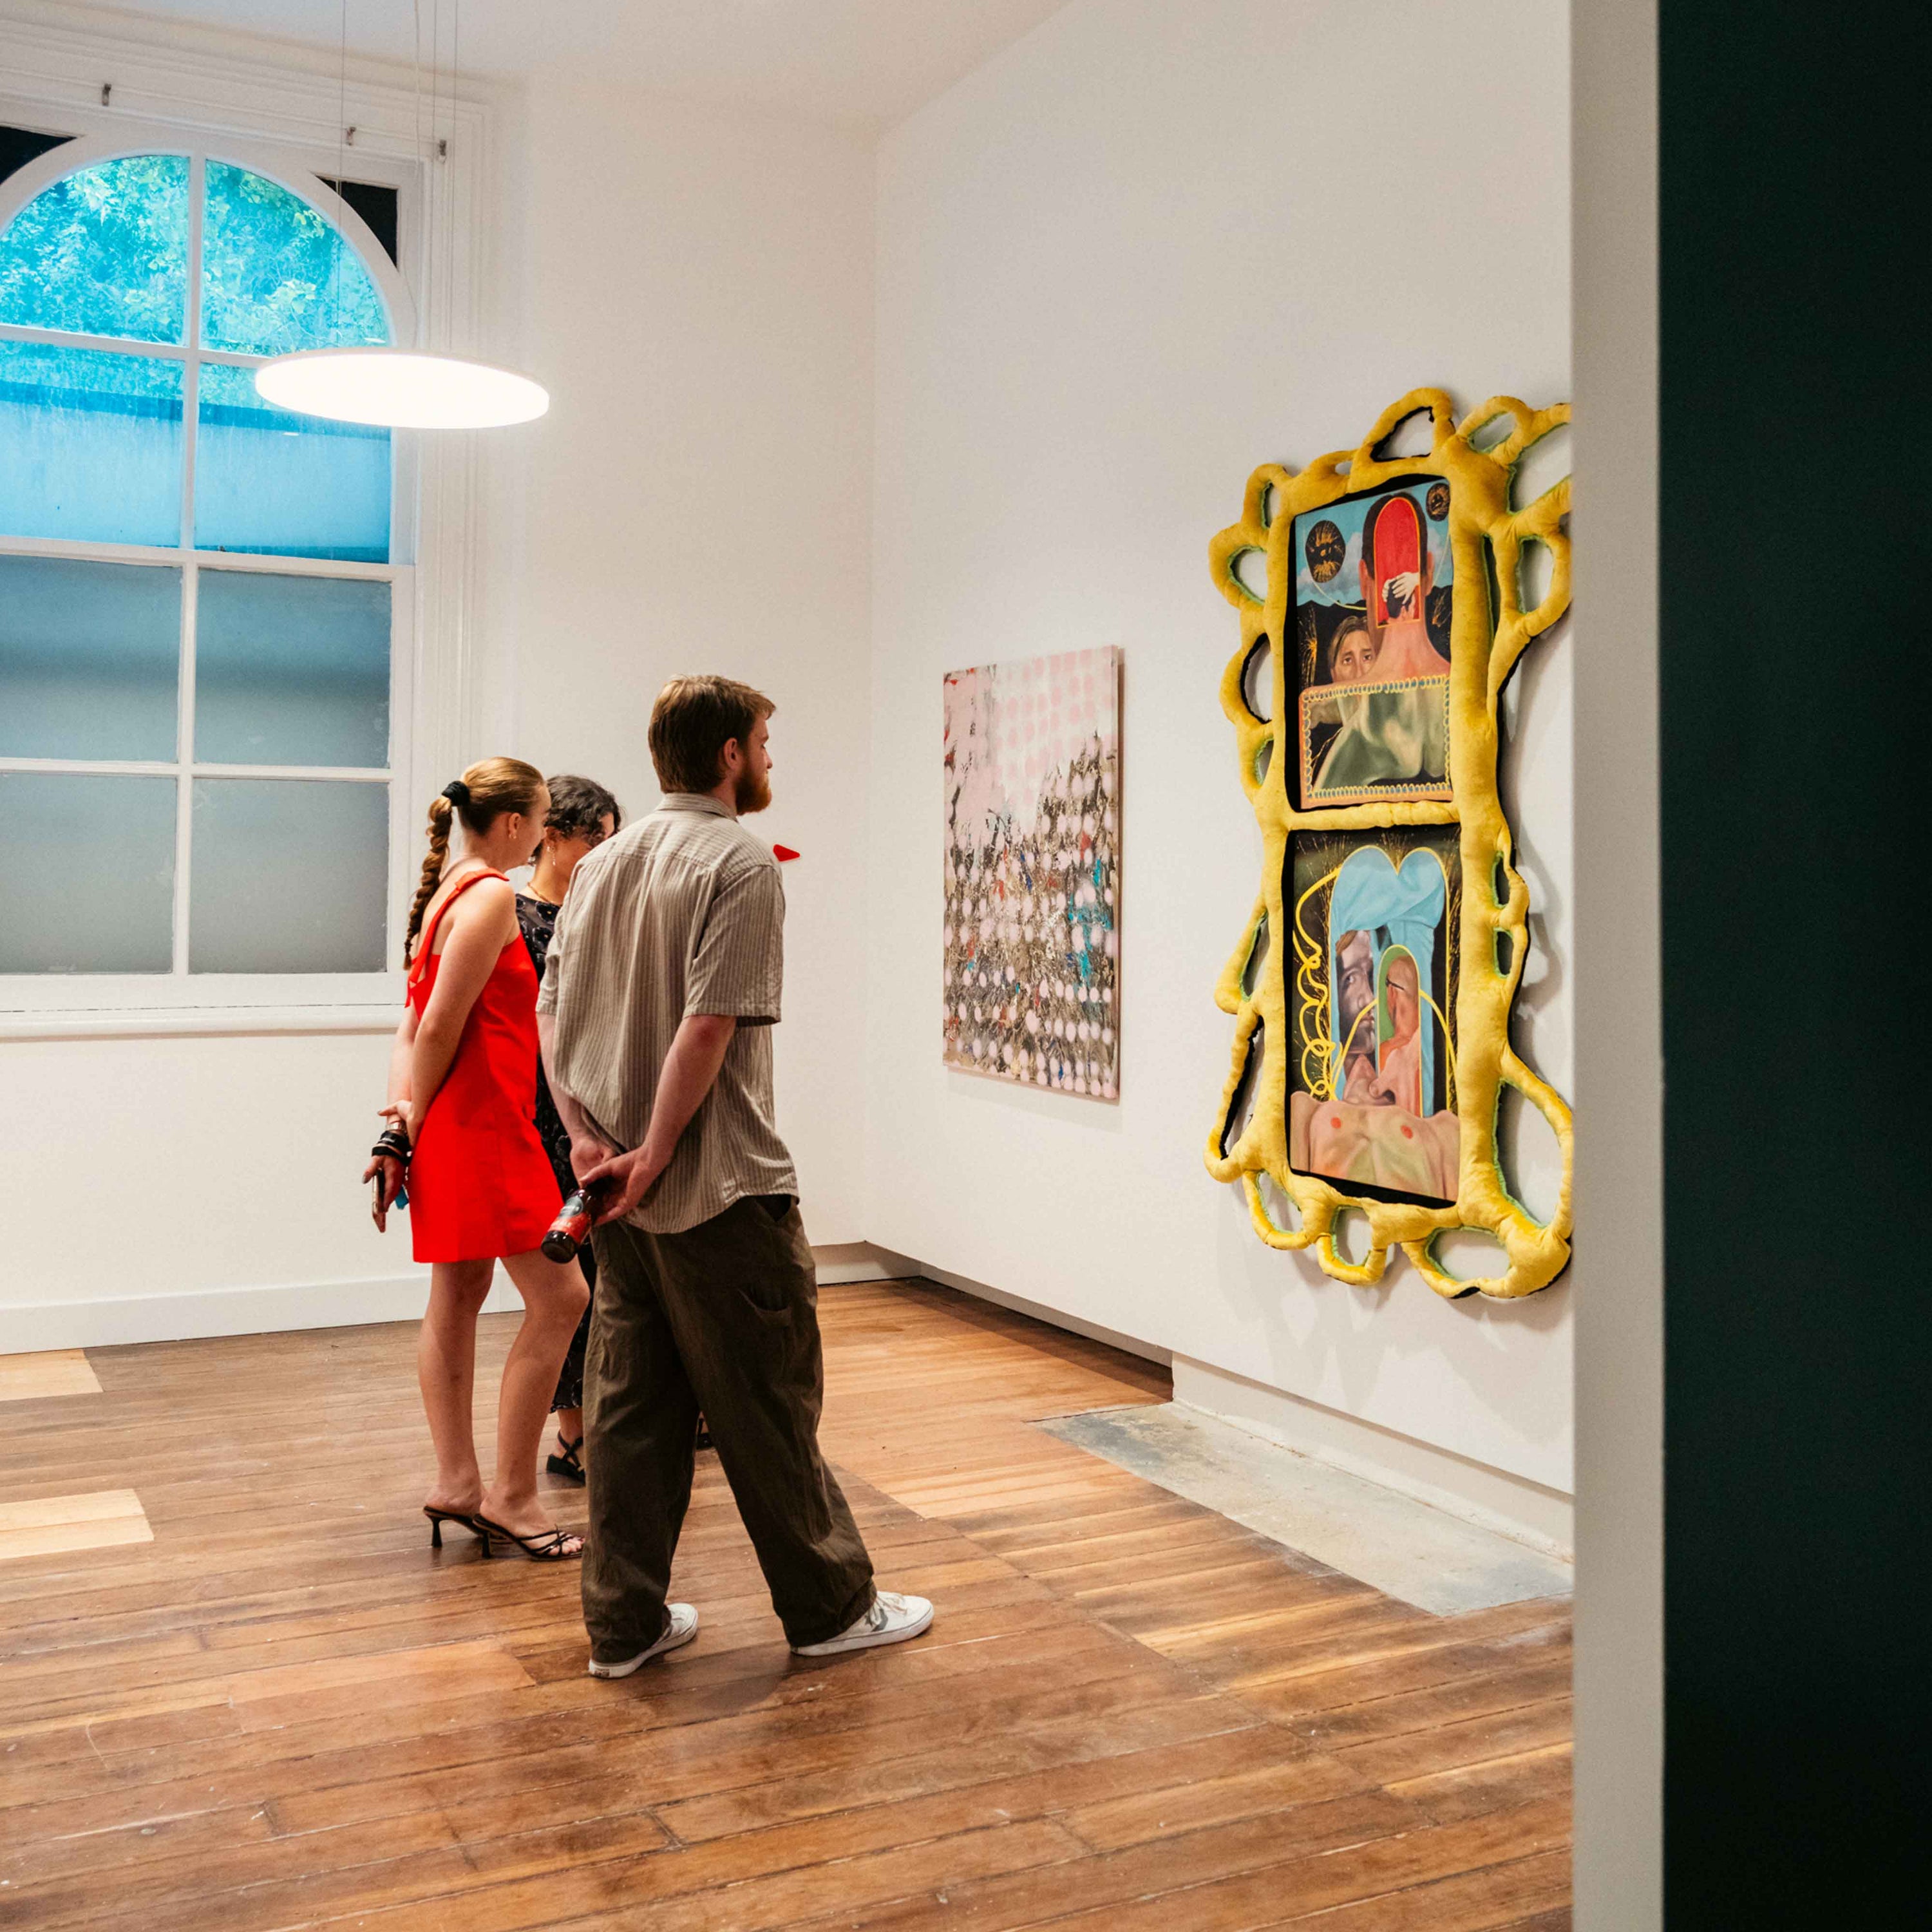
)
(582, 815)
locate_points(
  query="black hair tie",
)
(458, 793)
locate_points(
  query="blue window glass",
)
(289, 876)
(103, 251)
(284, 669)
(90, 444)
(291, 670)
(276, 275)
(269, 480)
(89, 658)
(111, 841)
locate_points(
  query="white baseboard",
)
(110, 1323)
(1052, 1317)
(1542, 1518)
(841, 1261)
(31, 1328)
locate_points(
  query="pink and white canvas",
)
(1032, 930)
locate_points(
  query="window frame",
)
(271, 118)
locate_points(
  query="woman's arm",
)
(588, 1149)
(396, 1111)
(400, 1055)
(480, 925)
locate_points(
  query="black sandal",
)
(547, 1547)
(438, 1517)
(569, 1463)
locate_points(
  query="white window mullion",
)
(276, 562)
(320, 774)
(184, 771)
(113, 345)
(190, 588)
(132, 768)
(197, 174)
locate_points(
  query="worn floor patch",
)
(1404, 1548)
(49, 1525)
(55, 1371)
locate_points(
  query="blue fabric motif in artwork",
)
(1403, 908)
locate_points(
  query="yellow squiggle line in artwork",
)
(1321, 1081)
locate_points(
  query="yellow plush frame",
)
(1484, 647)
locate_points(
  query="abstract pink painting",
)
(1033, 841)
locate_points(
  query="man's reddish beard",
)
(751, 794)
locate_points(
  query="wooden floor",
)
(284, 1711)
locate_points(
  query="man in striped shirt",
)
(662, 987)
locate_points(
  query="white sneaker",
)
(891, 1619)
(680, 1626)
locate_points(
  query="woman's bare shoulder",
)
(490, 900)
(488, 903)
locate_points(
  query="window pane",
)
(90, 444)
(89, 655)
(267, 480)
(102, 252)
(276, 275)
(290, 875)
(111, 842)
(291, 670)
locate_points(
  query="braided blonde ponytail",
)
(488, 789)
(441, 814)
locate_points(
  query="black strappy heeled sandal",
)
(438, 1517)
(547, 1548)
(570, 1463)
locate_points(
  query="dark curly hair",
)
(578, 806)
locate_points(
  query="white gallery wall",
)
(1144, 250)
(699, 300)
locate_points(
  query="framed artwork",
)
(1030, 965)
(1374, 596)
(1371, 1068)
(1383, 605)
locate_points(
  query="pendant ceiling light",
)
(402, 389)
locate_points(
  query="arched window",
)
(199, 684)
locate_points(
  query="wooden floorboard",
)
(287, 1711)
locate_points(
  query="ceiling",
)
(864, 63)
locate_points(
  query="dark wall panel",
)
(1796, 741)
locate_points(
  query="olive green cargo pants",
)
(722, 1318)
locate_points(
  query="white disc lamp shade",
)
(397, 389)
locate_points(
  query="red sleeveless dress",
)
(481, 1186)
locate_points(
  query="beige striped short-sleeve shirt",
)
(682, 913)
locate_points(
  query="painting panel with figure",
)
(1371, 1074)
(1374, 594)
(1032, 921)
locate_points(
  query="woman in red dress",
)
(463, 1086)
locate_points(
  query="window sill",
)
(181, 1022)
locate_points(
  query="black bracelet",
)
(392, 1144)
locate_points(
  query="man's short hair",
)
(693, 720)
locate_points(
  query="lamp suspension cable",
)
(405, 388)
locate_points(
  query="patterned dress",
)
(538, 919)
